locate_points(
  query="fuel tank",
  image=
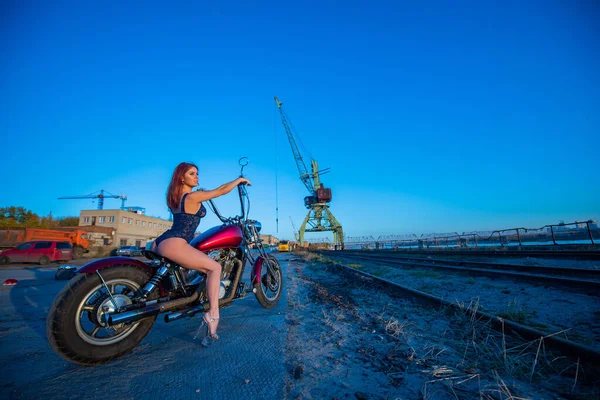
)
(218, 237)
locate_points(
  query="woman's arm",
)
(200, 196)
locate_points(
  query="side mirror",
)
(243, 162)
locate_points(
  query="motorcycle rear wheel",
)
(269, 287)
(74, 326)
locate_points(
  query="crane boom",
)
(319, 217)
(100, 196)
(296, 234)
(305, 177)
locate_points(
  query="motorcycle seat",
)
(149, 254)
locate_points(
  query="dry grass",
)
(488, 362)
(397, 329)
(487, 355)
(515, 312)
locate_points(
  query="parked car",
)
(131, 251)
(40, 251)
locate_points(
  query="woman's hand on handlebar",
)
(243, 181)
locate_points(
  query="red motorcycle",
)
(110, 305)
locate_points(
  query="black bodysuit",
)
(184, 224)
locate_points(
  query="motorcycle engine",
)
(226, 258)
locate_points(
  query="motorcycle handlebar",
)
(241, 193)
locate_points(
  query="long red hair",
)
(175, 190)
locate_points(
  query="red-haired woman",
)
(187, 209)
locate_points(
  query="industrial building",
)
(269, 239)
(127, 227)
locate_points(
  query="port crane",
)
(319, 218)
(100, 196)
(296, 236)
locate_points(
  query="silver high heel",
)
(207, 319)
(208, 337)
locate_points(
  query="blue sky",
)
(433, 117)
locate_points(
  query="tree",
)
(17, 216)
(68, 221)
(20, 217)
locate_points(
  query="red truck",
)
(11, 237)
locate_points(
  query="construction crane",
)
(296, 236)
(100, 196)
(319, 218)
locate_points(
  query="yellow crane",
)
(319, 217)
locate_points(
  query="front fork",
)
(257, 269)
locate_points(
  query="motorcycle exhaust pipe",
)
(188, 312)
(148, 311)
(191, 311)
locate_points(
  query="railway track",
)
(510, 271)
(578, 278)
(563, 253)
(406, 343)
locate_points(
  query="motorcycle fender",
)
(92, 267)
(256, 270)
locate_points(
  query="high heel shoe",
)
(207, 337)
(208, 319)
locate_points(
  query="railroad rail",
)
(578, 278)
(572, 348)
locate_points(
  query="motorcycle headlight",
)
(257, 225)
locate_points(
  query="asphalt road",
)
(247, 362)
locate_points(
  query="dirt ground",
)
(551, 308)
(349, 339)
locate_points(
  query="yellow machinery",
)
(283, 245)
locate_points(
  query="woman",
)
(187, 210)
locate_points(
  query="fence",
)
(556, 234)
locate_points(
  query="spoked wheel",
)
(88, 318)
(76, 328)
(269, 287)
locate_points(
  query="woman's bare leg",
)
(182, 253)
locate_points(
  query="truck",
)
(11, 237)
(286, 245)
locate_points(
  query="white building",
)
(130, 228)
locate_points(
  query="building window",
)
(143, 223)
(130, 221)
(155, 224)
(123, 220)
(159, 226)
(86, 219)
(102, 220)
(111, 219)
(123, 242)
(137, 222)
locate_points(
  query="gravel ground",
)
(576, 313)
(349, 338)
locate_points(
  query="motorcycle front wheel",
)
(269, 287)
(75, 328)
